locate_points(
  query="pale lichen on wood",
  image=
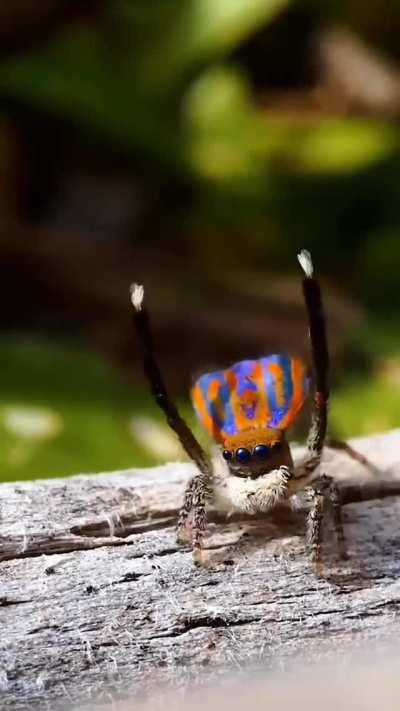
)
(98, 599)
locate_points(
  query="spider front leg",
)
(319, 347)
(197, 491)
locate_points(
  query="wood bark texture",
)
(97, 600)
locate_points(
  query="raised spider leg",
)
(319, 347)
(323, 489)
(197, 490)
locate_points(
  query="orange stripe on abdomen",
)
(263, 409)
(298, 373)
(298, 384)
(200, 404)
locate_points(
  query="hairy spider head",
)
(256, 452)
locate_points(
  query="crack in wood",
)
(7, 602)
(126, 526)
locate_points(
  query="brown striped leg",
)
(352, 453)
(336, 504)
(182, 532)
(314, 528)
(200, 495)
(325, 492)
(194, 504)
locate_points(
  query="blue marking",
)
(288, 382)
(278, 412)
(244, 371)
(277, 417)
(226, 423)
(250, 410)
(270, 384)
(204, 383)
(229, 425)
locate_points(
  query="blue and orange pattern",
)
(252, 394)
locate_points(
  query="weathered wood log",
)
(97, 598)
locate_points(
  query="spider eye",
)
(243, 455)
(227, 454)
(261, 451)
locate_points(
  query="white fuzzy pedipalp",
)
(245, 495)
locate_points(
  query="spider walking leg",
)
(336, 505)
(338, 444)
(314, 527)
(195, 500)
(325, 491)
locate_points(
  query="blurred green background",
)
(194, 146)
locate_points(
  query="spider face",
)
(247, 456)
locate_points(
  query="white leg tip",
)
(306, 263)
(137, 295)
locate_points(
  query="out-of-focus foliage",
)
(125, 79)
(129, 79)
(229, 139)
(64, 411)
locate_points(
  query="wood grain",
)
(98, 600)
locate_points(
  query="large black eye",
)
(227, 454)
(261, 451)
(243, 455)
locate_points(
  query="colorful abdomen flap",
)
(252, 394)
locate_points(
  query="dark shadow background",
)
(194, 146)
